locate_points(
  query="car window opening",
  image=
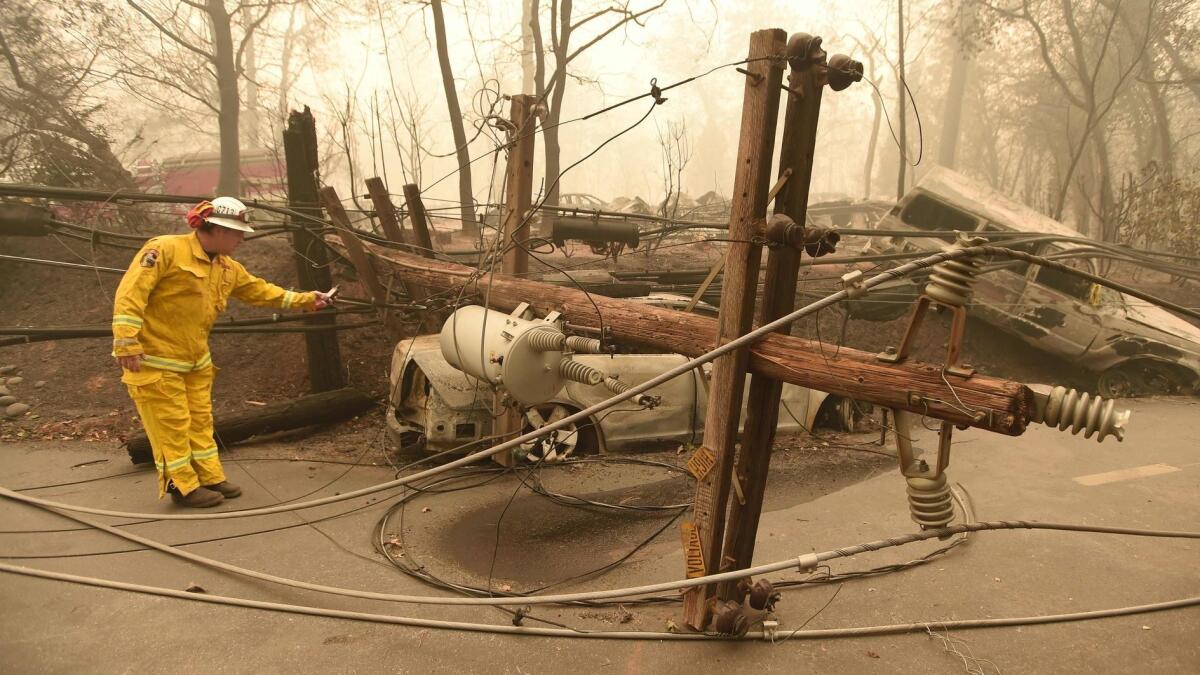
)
(926, 213)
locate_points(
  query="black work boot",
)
(228, 490)
(197, 499)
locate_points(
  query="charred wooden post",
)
(514, 233)
(419, 219)
(358, 254)
(752, 180)
(360, 259)
(312, 256)
(518, 196)
(807, 78)
(386, 212)
(312, 410)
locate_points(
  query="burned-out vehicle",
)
(435, 407)
(1130, 346)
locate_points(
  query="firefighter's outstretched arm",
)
(129, 306)
(254, 291)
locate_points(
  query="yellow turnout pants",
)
(176, 411)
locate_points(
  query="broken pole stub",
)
(518, 195)
(779, 294)
(752, 180)
(311, 254)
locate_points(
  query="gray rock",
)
(39, 384)
(17, 409)
(7, 370)
(7, 401)
(14, 381)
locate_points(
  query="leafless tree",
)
(200, 55)
(466, 192)
(1090, 58)
(676, 151)
(589, 30)
(50, 128)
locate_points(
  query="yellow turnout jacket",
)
(171, 295)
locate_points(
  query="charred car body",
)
(435, 407)
(1130, 346)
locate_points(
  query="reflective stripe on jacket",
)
(171, 295)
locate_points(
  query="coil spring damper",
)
(949, 287)
(930, 501)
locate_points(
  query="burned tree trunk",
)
(312, 410)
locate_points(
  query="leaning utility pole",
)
(752, 175)
(809, 74)
(514, 232)
(902, 166)
(312, 256)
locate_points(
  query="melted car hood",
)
(1160, 319)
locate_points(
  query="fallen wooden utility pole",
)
(1001, 406)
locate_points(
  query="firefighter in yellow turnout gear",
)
(164, 308)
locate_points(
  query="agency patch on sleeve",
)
(150, 258)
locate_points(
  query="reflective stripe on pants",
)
(176, 411)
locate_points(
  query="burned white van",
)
(1132, 347)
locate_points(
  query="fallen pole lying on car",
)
(990, 403)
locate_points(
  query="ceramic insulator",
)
(579, 372)
(1080, 411)
(930, 501)
(951, 281)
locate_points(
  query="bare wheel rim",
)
(557, 444)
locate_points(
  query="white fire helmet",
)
(231, 213)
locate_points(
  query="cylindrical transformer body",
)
(496, 347)
(567, 228)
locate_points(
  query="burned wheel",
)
(1117, 382)
(842, 413)
(1144, 378)
(560, 443)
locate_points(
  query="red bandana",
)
(198, 214)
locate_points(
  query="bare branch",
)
(173, 85)
(630, 18)
(169, 33)
(253, 26)
(12, 66)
